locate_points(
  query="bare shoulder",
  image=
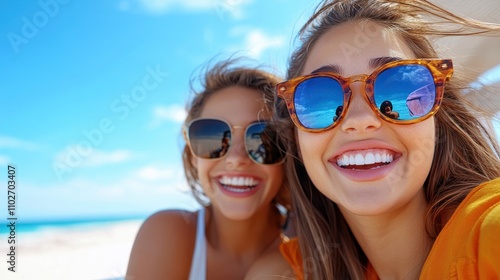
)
(271, 266)
(164, 246)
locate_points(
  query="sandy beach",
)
(96, 252)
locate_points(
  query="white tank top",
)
(199, 263)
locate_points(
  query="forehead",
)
(352, 45)
(236, 104)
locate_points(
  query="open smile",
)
(365, 159)
(238, 184)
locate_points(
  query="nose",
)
(237, 155)
(360, 116)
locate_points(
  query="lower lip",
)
(239, 194)
(366, 175)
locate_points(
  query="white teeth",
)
(238, 181)
(238, 184)
(360, 160)
(368, 158)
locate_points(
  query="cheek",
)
(420, 143)
(312, 146)
(204, 167)
(422, 140)
(313, 149)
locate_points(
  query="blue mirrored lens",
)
(209, 138)
(405, 92)
(318, 102)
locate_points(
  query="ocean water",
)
(23, 226)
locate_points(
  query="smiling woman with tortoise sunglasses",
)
(378, 197)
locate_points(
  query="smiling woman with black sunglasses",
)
(379, 196)
(235, 171)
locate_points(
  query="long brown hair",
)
(465, 153)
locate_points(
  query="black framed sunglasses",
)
(211, 139)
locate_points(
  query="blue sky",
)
(93, 94)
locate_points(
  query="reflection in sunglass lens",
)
(409, 88)
(209, 138)
(317, 102)
(261, 144)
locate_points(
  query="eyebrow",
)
(379, 61)
(373, 64)
(328, 68)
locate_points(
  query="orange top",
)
(468, 247)
(290, 250)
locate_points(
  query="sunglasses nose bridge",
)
(238, 139)
(362, 100)
(362, 78)
(357, 78)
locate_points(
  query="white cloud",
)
(153, 173)
(256, 42)
(15, 143)
(172, 113)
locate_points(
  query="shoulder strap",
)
(199, 262)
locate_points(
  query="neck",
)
(251, 236)
(395, 243)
